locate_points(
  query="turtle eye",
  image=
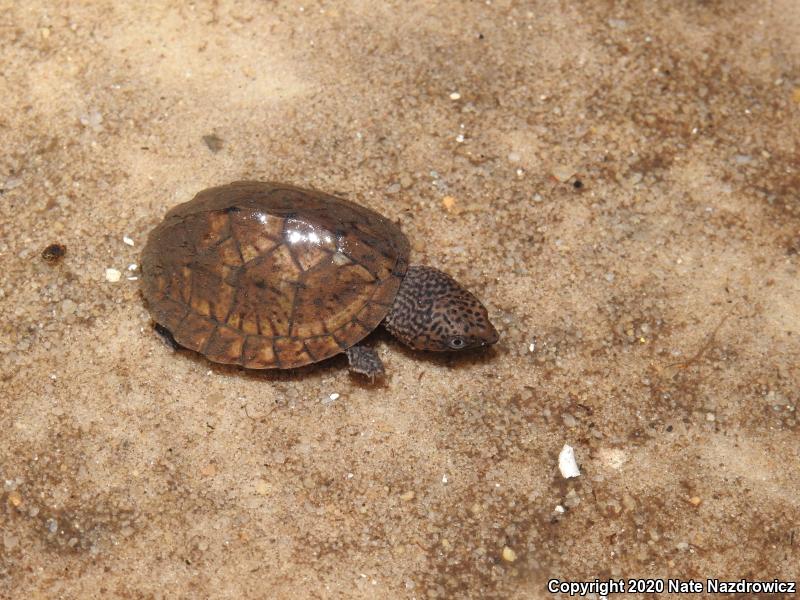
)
(456, 343)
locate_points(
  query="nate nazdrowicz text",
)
(672, 586)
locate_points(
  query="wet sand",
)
(617, 181)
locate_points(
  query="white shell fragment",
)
(127, 240)
(567, 464)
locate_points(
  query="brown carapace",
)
(267, 275)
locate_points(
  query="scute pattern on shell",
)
(271, 276)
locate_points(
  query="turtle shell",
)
(266, 275)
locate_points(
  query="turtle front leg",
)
(365, 360)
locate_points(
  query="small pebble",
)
(262, 487)
(695, 501)
(11, 183)
(444, 480)
(682, 545)
(133, 267)
(113, 275)
(213, 142)
(628, 502)
(52, 525)
(407, 496)
(328, 398)
(127, 241)
(572, 500)
(54, 252)
(569, 420)
(563, 172)
(514, 157)
(710, 417)
(654, 535)
(92, 119)
(455, 96)
(14, 499)
(393, 189)
(509, 555)
(209, 470)
(449, 203)
(560, 509)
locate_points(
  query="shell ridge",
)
(236, 239)
(235, 299)
(207, 343)
(293, 310)
(276, 358)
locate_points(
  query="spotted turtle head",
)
(432, 311)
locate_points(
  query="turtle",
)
(271, 276)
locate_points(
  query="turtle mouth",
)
(491, 337)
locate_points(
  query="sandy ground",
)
(649, 314)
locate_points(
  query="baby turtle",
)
(271, 276)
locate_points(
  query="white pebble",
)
(328, 398)
(567, 464)
(559, 509)
(460, 138)
(127, 240)
(113, 275)
(133, 267)
(455, 96)
(444, 479)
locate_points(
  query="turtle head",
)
(432, 311)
